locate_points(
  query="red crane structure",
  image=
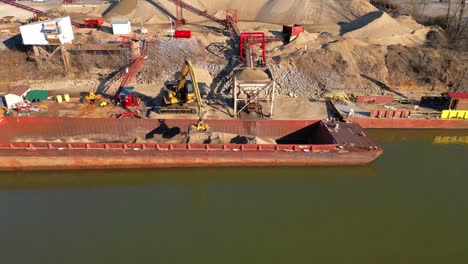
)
(125, 96)
(249, 41)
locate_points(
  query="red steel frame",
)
(251, 39)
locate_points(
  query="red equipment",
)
(248, 42)
(290, 32)
(124, 95)
(293, 30)
(128, 114)
(183, 34)
(231, 23)
(131, 100)
(93, 22)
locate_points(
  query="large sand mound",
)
(270, 11)
(379, 28)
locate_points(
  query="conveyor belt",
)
(33, 10)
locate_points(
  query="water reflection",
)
(192, 178)
(450, 140)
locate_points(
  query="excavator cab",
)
(186, 91)
(180, 96)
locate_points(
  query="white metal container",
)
(48, 32)
(121, 26)
(16, 96)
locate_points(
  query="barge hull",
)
(58, 160)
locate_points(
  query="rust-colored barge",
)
(29, 143)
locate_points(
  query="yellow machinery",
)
(454, 114)
(36, 17)
(341, 96)
(186, 91)
(183, 93)
(8, 19)
(93, 98)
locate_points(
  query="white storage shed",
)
(48, 32)
(16, 95)
(121, 26)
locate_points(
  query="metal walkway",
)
(198, 11)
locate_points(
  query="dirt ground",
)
(285, 108)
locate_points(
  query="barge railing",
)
(165, 147)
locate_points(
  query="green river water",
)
(409, 206)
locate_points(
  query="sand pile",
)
(306, 37)
(375, 24)
(379, 28)
(226, 138)
(270, 11)
(252, 74)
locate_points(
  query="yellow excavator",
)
(93, 98)
(183, 93)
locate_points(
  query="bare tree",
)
(454, 19)
(448, 14)
(461, 12)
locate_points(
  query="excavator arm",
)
(196, 88)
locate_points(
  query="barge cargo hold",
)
(28, 143)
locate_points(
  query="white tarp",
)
(121, 27)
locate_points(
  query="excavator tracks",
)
(174, 110)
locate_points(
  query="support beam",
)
(96, 47)
(66, 59)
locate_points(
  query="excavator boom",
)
(196, 89)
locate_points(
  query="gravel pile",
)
(290, 81)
